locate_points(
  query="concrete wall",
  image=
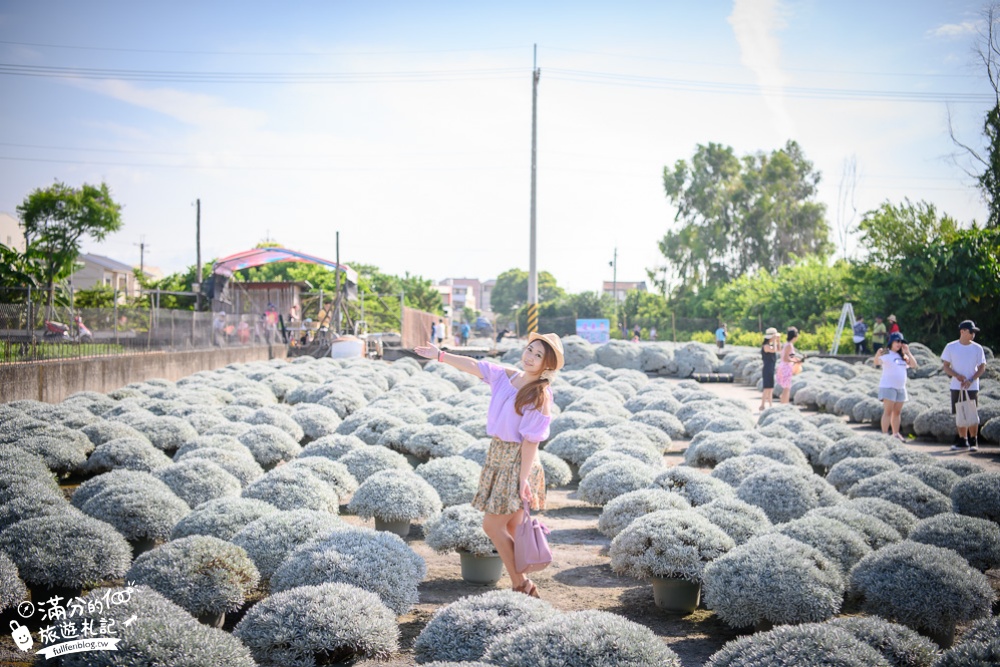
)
(53, 381)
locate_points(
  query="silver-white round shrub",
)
(693, 485)
(137, 511)
(673, 544)
(202, 574)
(962, 467)
(463, 630)
(241, 466)
(127, 453)
(581, 638)
(332, 623)
(845, 473)
(978, 495)
(786, 493)
(270, 539)
(222, 518)
(806, 645)
(67, 551)
(905, 490)
(781, 451)
(708, 449)
(458, 528)
(103, 431)
(438, 441)
(734, 470)
(624, 509)
(875, 532)
(853, 447)
(230, 443)
(898, 644)
(835, 540)
(290, 488)
(976, 540)
(270, 445)
(773, 578)
(662, 420)
(453, 477)
(370, 459)
(197, 480)
(376, 561)
(395, 495)
(940, 479)
(333, 446)
(607, 482)
(333, 473)
(922, 586)
(741, 521)
(166, 433)
(577, 445)
(275, 417)
(897, 517)
(12, 589)
(557, 471)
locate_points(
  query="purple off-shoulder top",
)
(501, 419)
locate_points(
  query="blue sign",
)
(596, 331)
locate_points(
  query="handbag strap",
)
(527, 508)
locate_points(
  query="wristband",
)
(441, 355)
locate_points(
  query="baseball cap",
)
(893, 337)
(970, 325)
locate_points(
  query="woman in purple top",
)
(518, 419)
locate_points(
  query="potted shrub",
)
(898, 644)
(143, 513)
(741, 521)
(395, 498)
(462, 631)
(904, 490)
(332, 623)
(129, 453)
(222, 517)
(977, 495)
(976, 540)
(786, 493)
(608, 481)
(294, 487)
(693, 485)
(198, 480)
(455, 478)
(626, 508)
(670, 549)
(204, 575)
(270, 539)
(460, 528)
(928, 588)
(807, 645)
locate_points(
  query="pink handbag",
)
(531, 549)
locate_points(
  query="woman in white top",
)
(786, 364)
(894, 359)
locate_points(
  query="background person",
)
(860, 331)
(964, 361)
(893, 326)
(786, 367)
(518, 419)
(894, 360)
(769, 355)
(878, 334)
(720, 335)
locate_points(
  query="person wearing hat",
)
(769, 355)
(878, 334)
(964, 360)
(517, 419)
(893, 326)
(894, 359)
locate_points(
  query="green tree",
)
(890, 233)
(511, 290)
(57, 218)
(20, 270)
(738, 215)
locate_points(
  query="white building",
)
(11, 232)
(98, 270)
(619, 289)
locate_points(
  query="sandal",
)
(528, 588)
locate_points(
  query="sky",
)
(406, 126)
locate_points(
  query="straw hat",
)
(892, 318)
(770, 331)
(552, 340)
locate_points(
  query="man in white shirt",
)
(964, 361)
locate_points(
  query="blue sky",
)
(406, 125)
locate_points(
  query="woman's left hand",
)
(429, 351)
(526, 491)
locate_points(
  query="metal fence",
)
(31, 332)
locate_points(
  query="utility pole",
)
(614, 279)
(142, 255)
(532, 263)
(336, 301)
(197, 246)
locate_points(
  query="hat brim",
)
(552, 340)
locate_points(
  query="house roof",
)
(106, 262)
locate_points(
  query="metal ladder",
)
(845, 312)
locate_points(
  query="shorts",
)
(955, 393)
(892, 394)
(721, 344)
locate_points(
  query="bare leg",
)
(886, 415)
(897, 411)
(786, 393)
(497, 529)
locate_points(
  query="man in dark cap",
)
(964, 361)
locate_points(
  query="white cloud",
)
(956, 30)
(755, 23)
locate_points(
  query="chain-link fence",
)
(31, 330)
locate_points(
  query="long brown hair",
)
(533, 393)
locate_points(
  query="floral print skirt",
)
(499, 483)
(784, 374)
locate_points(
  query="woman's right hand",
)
(429, 351)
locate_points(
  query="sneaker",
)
(898, 437)
(961, 446)
(974, 444)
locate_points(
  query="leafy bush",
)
(333, 446)
(786, 493)
(453, 477)
(613, 479)
(807, 645)
(694, 486)
(270, 539)
(128, 453)
(202, 574)
(905, 490)
(781, 451)
(29, 501)
(332, 473)
(376, 561)
(275, 417)
(241, 466)
(165, 433)
(922, 586)
(12, 589)
(57, 446)
(464, 629)
(395, 495)
(102, 431)
(162, 634)
(331, 623)
(835, 540)
(577, 445)
(622, 510)
(668, 544)
(78, 550)
(198, 480)
(741, 521)
(708, 449)
(978, 495)
(734, 470)
(365, 462)
(876, 533)
(316, 421)
(976, 540)
(230, 443)
(940, 479)
(773, 578)
(270, 445)
(853, 447)
(897, 517)
(971, 654)
(845, 473)
(222, 517)
(557, 472)
(584, 638)
(137, 480)
(289, 488)
(898, 644)
(611, 455)
(458, 528)
(137, 511)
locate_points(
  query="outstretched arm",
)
(462, 363)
